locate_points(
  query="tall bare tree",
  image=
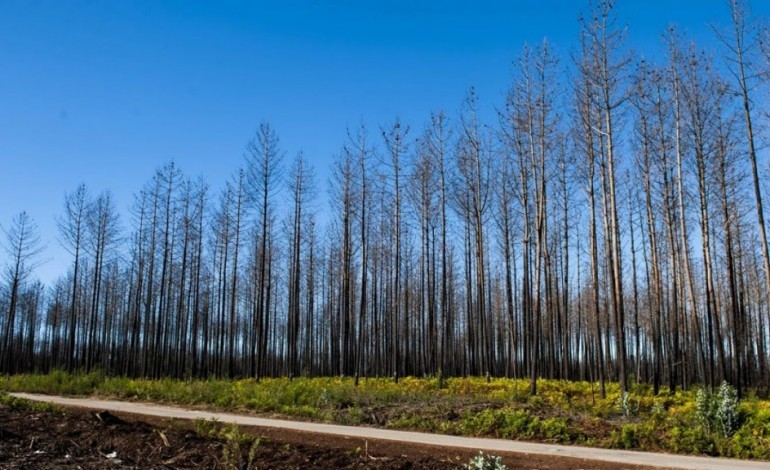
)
(742, 43)
(72, 231)
(397, 147)
(23, 247)
(263, 174)
(606, 74)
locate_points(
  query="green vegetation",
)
(233, 440)
(485, 462)
(20, 403)
(693, 422)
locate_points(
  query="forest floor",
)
(695, 421)
(41, 436)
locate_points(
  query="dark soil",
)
(31, 439)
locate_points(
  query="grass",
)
(22, 404)
(233, 440)
(563, 412)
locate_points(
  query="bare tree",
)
(72, 227)
(587, 112)
(606, 76)
(473, 161)
(437, 141)
(301, 182)
(23, 248)
(103, 231)
(742, 44)
(263, 172)
(395, 142)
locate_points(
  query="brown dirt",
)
(79, 439)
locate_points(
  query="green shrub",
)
(718, 412)
(726, 414)
(535, 401)
(626, 438)
(705, 409)
(752, 440)
(556, 429)
(483, 423)
(485, 462)
(691, 440)
(519, 424)
(232, 439)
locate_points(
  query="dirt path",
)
(607, 456)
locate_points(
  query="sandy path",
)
(622, 457)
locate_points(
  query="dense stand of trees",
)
(608, 226)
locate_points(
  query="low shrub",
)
(485, 462)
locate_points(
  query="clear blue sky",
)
(103, 92)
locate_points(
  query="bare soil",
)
(31, 439)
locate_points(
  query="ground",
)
(563, 412)
(55, 438)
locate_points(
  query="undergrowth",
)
(22, 404)
(691, 422)
(234, 442)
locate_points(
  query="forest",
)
(607, 226)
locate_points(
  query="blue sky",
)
(104, 92)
